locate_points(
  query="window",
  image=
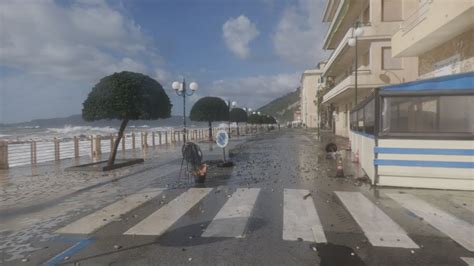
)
(360, 120)
(428, 114)
(391, 10)
(369, 117)
(388, 62)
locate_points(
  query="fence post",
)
(3, 154)
(133, 140)
(159, 138)
(123, 142)
(57, 156)
(111, 142)
(153, 138)
(97, 146)
(76, 147)
(92, 146)
(32, 151)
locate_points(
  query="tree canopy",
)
(267, 119)
(238, 115)
(209, 109)
(255, 119)
(126, 96)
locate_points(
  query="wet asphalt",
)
(273, 161)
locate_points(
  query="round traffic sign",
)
(222, 139)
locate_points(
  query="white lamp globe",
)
(234, 103)
(352, 42)
(250, 109)
(176, 85)
(359, 32)
(258, 113)
(253, 113)
(193, 86)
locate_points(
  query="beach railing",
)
(32, 152)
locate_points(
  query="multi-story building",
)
(310, 85)
(440, 33)
(376, 66)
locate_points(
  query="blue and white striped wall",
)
(441, 164)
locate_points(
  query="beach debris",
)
(66, 258)
(352, 253)
(117, 246)
(314, 249)
(412, 251)
(24, 260)
(300, 239)
(306, 196)
(190, 259)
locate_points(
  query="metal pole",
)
(184, 111)
(355, 94)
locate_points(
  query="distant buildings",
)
(400, 41)
(311, 84)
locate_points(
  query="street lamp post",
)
(358, 32)
(181, 90)
(230, 104)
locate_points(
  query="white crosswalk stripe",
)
(300, 219)
(377, 226)
(158, 222)
(98, 219)
(232, 219)
(459, 230)
(469, 261)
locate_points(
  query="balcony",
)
(433, 23)
(342, 89)
(343, 55)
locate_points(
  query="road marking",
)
(300, 219)
(377, 226)
(158, 222)
(59, 258)
(459, 230)
(469, 261)
(232, 219)
(90, 223)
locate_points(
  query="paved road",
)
(279, 205)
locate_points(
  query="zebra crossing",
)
(300, 219)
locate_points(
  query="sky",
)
(250, 51)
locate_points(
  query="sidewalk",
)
(29, 186)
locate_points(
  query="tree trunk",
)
(113, 152)
(210, 130)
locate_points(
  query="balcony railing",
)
(416, 17)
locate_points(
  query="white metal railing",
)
(34, 152)
(416, 17)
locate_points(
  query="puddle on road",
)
(332, 254)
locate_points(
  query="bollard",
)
(111, 142)
(179, 137)
(159, 138)
(166, 137)
(3, 154)
(76, 147)
(356, 157)
(339, 168)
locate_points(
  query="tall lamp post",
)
(357, 32)
(181, 90)
(230, 104)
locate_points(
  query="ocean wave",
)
(82, 130)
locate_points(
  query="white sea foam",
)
(70, 131)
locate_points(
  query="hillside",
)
(282, 108)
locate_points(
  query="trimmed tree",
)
(255, 119)
(210, 109)
(126, 96)
(238, 115)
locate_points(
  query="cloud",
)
(300, 33)
(84, 40)
(238, 33)
(56, 52)
(257, 90)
